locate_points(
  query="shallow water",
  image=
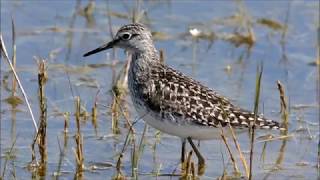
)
(57, 32)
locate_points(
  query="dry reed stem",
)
(283, 105)
(281, 153)
(285, 123)
(61, 154)
(33, 152)
(78, 113)
(119, 175)
(119, 90)
(42, 143)
(7, 157)
(125, 115)
(14, 59)
(263, 152)
(94, 113)
(193, 171)
(40, 136)
(252, 126)
(8, 154)
(118, 166)
(5, 55)
(318, 93)
(115, 116)
(134, 156)
(137, 153)
(235, 167)
(66, 122)
(243, 159)
(94, 116)
(284, 137)
(134, 174)
(79, 139)
(187, 165)
(79, 152)
(283, 102)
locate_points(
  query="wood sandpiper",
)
(172, 102)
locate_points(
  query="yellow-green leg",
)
(201, 161)
(183, 150)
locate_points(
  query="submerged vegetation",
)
(110, 140)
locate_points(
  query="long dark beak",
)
(101, 48)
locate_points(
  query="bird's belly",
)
(183, 131)
(177, 129)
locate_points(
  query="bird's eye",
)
(126, 36)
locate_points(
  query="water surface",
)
(58, 32)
